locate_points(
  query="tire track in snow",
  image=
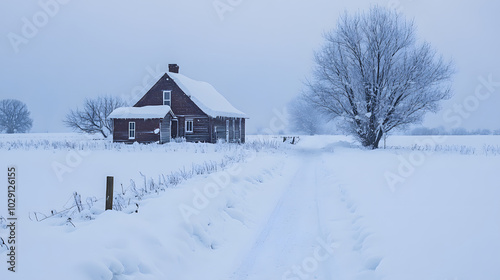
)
(351, 260)
(290, 234)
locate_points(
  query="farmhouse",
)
(177, 106)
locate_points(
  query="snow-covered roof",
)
(205, 96)
(146, 112)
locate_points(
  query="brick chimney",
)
(173, 68)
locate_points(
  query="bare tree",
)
(374, 75)
(93, 118)
(303, 117)
(14, 116)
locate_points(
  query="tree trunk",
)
(380, 134)
(372, 140)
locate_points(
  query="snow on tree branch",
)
(374, 75)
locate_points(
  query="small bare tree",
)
(93, 118)
(14, 116)
(374, 75)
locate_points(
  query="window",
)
(189, 126)
(131, 130)
(167, 95)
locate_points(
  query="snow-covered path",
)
(314, 232)
(289, 231)
(295, 241)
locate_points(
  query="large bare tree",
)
(374, 75)
(93, 118)
(14, 116)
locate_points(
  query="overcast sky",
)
(256, 53)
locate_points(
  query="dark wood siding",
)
(181, 104)
(144, 130)
(219, 129)
(201, 130)
(155, 95)
(243, 135)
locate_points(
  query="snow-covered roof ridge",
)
(146, 112)
(205, 96)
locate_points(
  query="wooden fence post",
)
(109, 193)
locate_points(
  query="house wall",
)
(181, 104)
(144, 130)
(201, 129)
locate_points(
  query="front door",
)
(174, 129)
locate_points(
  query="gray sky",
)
(257, 53)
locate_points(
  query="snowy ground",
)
(425, 208)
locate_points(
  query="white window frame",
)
(169, 99)
(131, 130)
(186, 127)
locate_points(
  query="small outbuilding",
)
(177, 106)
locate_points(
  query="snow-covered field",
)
(425, 208)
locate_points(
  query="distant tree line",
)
(454, 131)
